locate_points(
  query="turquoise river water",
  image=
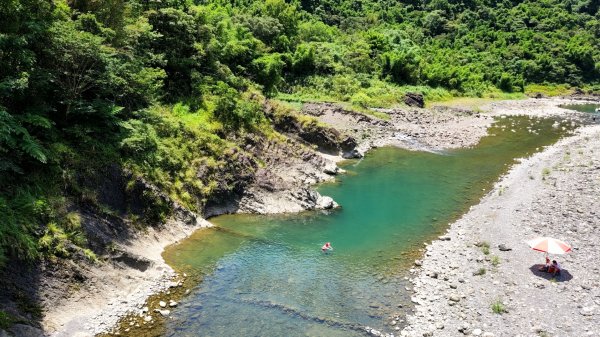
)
(589, 107)
(267, 276)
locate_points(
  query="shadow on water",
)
(564, 276)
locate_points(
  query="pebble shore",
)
(481, 278)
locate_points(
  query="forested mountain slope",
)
(161, 89)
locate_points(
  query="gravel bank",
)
(113, 290)
(553, 193)
(433, 129)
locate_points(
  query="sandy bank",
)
(115, 290)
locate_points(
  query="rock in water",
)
(414, 99)
(162, 304)
(325, 202)
(331, 169)
(352, 154)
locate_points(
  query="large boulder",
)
(325, 202)
(414, 99)
(348, 144)
(326, 139)
(331, 169)
(310, 199)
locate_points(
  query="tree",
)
(179, 38)
(80, 63)
(401, 65)
(268, 72)
(303, 60)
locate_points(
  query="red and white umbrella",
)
(549, 245)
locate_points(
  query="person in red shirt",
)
(554, 268)
(326, 247)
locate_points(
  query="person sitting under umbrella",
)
(554, 268)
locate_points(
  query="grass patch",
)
(495, 261)
(90, 255)
(501, 190)
(358, 91)
(480, 272)
(548, 89)
(365, 110)
(545, 173)
(292, 105)
(485, 247)
(475, 103)
(498, 307)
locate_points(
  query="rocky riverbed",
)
(412, 128)
(481, 278)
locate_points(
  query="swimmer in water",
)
(326, 247)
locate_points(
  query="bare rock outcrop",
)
(414, 99)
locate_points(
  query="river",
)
(267, 276)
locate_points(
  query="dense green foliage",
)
(165, 87)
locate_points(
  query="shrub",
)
(498, 307)
(485, 247)
(361, 100)
(545, 173)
